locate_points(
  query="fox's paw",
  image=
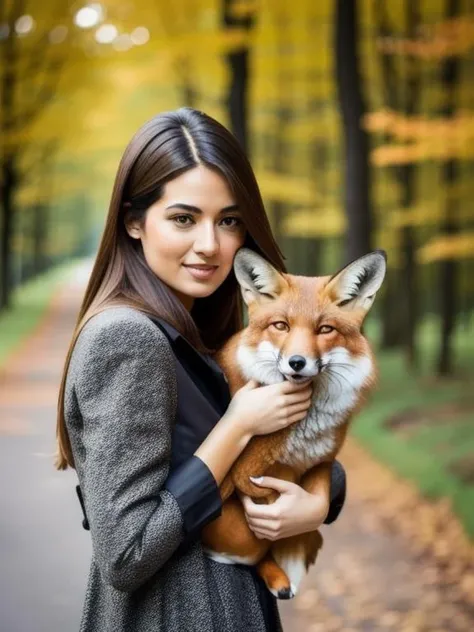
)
(275, 578)
(285, 593)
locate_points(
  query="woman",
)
(145, 415)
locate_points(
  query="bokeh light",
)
(24, 25)
(106, 33)
(89, 16)
(123, 42)
(140, 35)
(58, 34)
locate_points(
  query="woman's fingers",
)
(260, 524)
(259, 511)
(264, 535)
(298, 408)
(297, 398)
(296, 417)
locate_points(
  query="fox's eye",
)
(325, 329)
(281, 326)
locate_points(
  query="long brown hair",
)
(163, 148)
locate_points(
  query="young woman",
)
(145, 415)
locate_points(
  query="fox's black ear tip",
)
(381, 252)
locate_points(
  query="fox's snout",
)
(299, 366)
(297, 363)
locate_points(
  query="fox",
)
(299, 329)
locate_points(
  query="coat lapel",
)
(208, 364)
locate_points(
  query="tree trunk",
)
(400, 306)
(407, 177)
(279, 166)
(8, 175)
(449, 268)
(391, 310)
(7, 207)
(279, 152)
(409, 294)
(40, 236)
(313, 247)
(357, 172)
(238, 61)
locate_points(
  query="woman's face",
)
(190, 236)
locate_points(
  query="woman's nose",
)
(206, 241)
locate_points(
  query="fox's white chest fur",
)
(336, 391)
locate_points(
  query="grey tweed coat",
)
(148, 572)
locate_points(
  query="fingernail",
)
(257, 479)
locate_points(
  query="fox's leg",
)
(277, 470)
(274, 576)
(318, 479)
(226, 488)
(287, 562)
(289, 559)
(254, 461)
(229, 539)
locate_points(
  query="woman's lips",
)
(201, 272)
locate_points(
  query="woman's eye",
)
(234, 222)
(182, 219)
(281, 326)
(325, 329)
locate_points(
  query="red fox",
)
(300, 328)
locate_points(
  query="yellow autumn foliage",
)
(315, 222)
(452, 37)
(286, 188)
(447, 247)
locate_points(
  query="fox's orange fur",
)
(314, 323)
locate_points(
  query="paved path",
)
(391, 562)
(44, 551)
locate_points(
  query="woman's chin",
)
(196, 290)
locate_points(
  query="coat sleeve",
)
(338, 492)
(125, 386)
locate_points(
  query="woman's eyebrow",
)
(195, 209)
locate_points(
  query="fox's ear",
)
(355, 286)
(258, 279)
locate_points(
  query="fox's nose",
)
(297, 362)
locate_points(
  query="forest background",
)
(358, 117)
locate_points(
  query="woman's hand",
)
(295, 511)
(264, 409)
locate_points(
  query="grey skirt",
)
(191, 593)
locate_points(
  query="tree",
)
(446, 138)
(238, 62)
(352, 107)
(30, 73)
(402, 94)
(449, 267)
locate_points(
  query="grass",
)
(29, 304)
(425, 451)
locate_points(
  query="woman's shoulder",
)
(118, 318)
(118, 329)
